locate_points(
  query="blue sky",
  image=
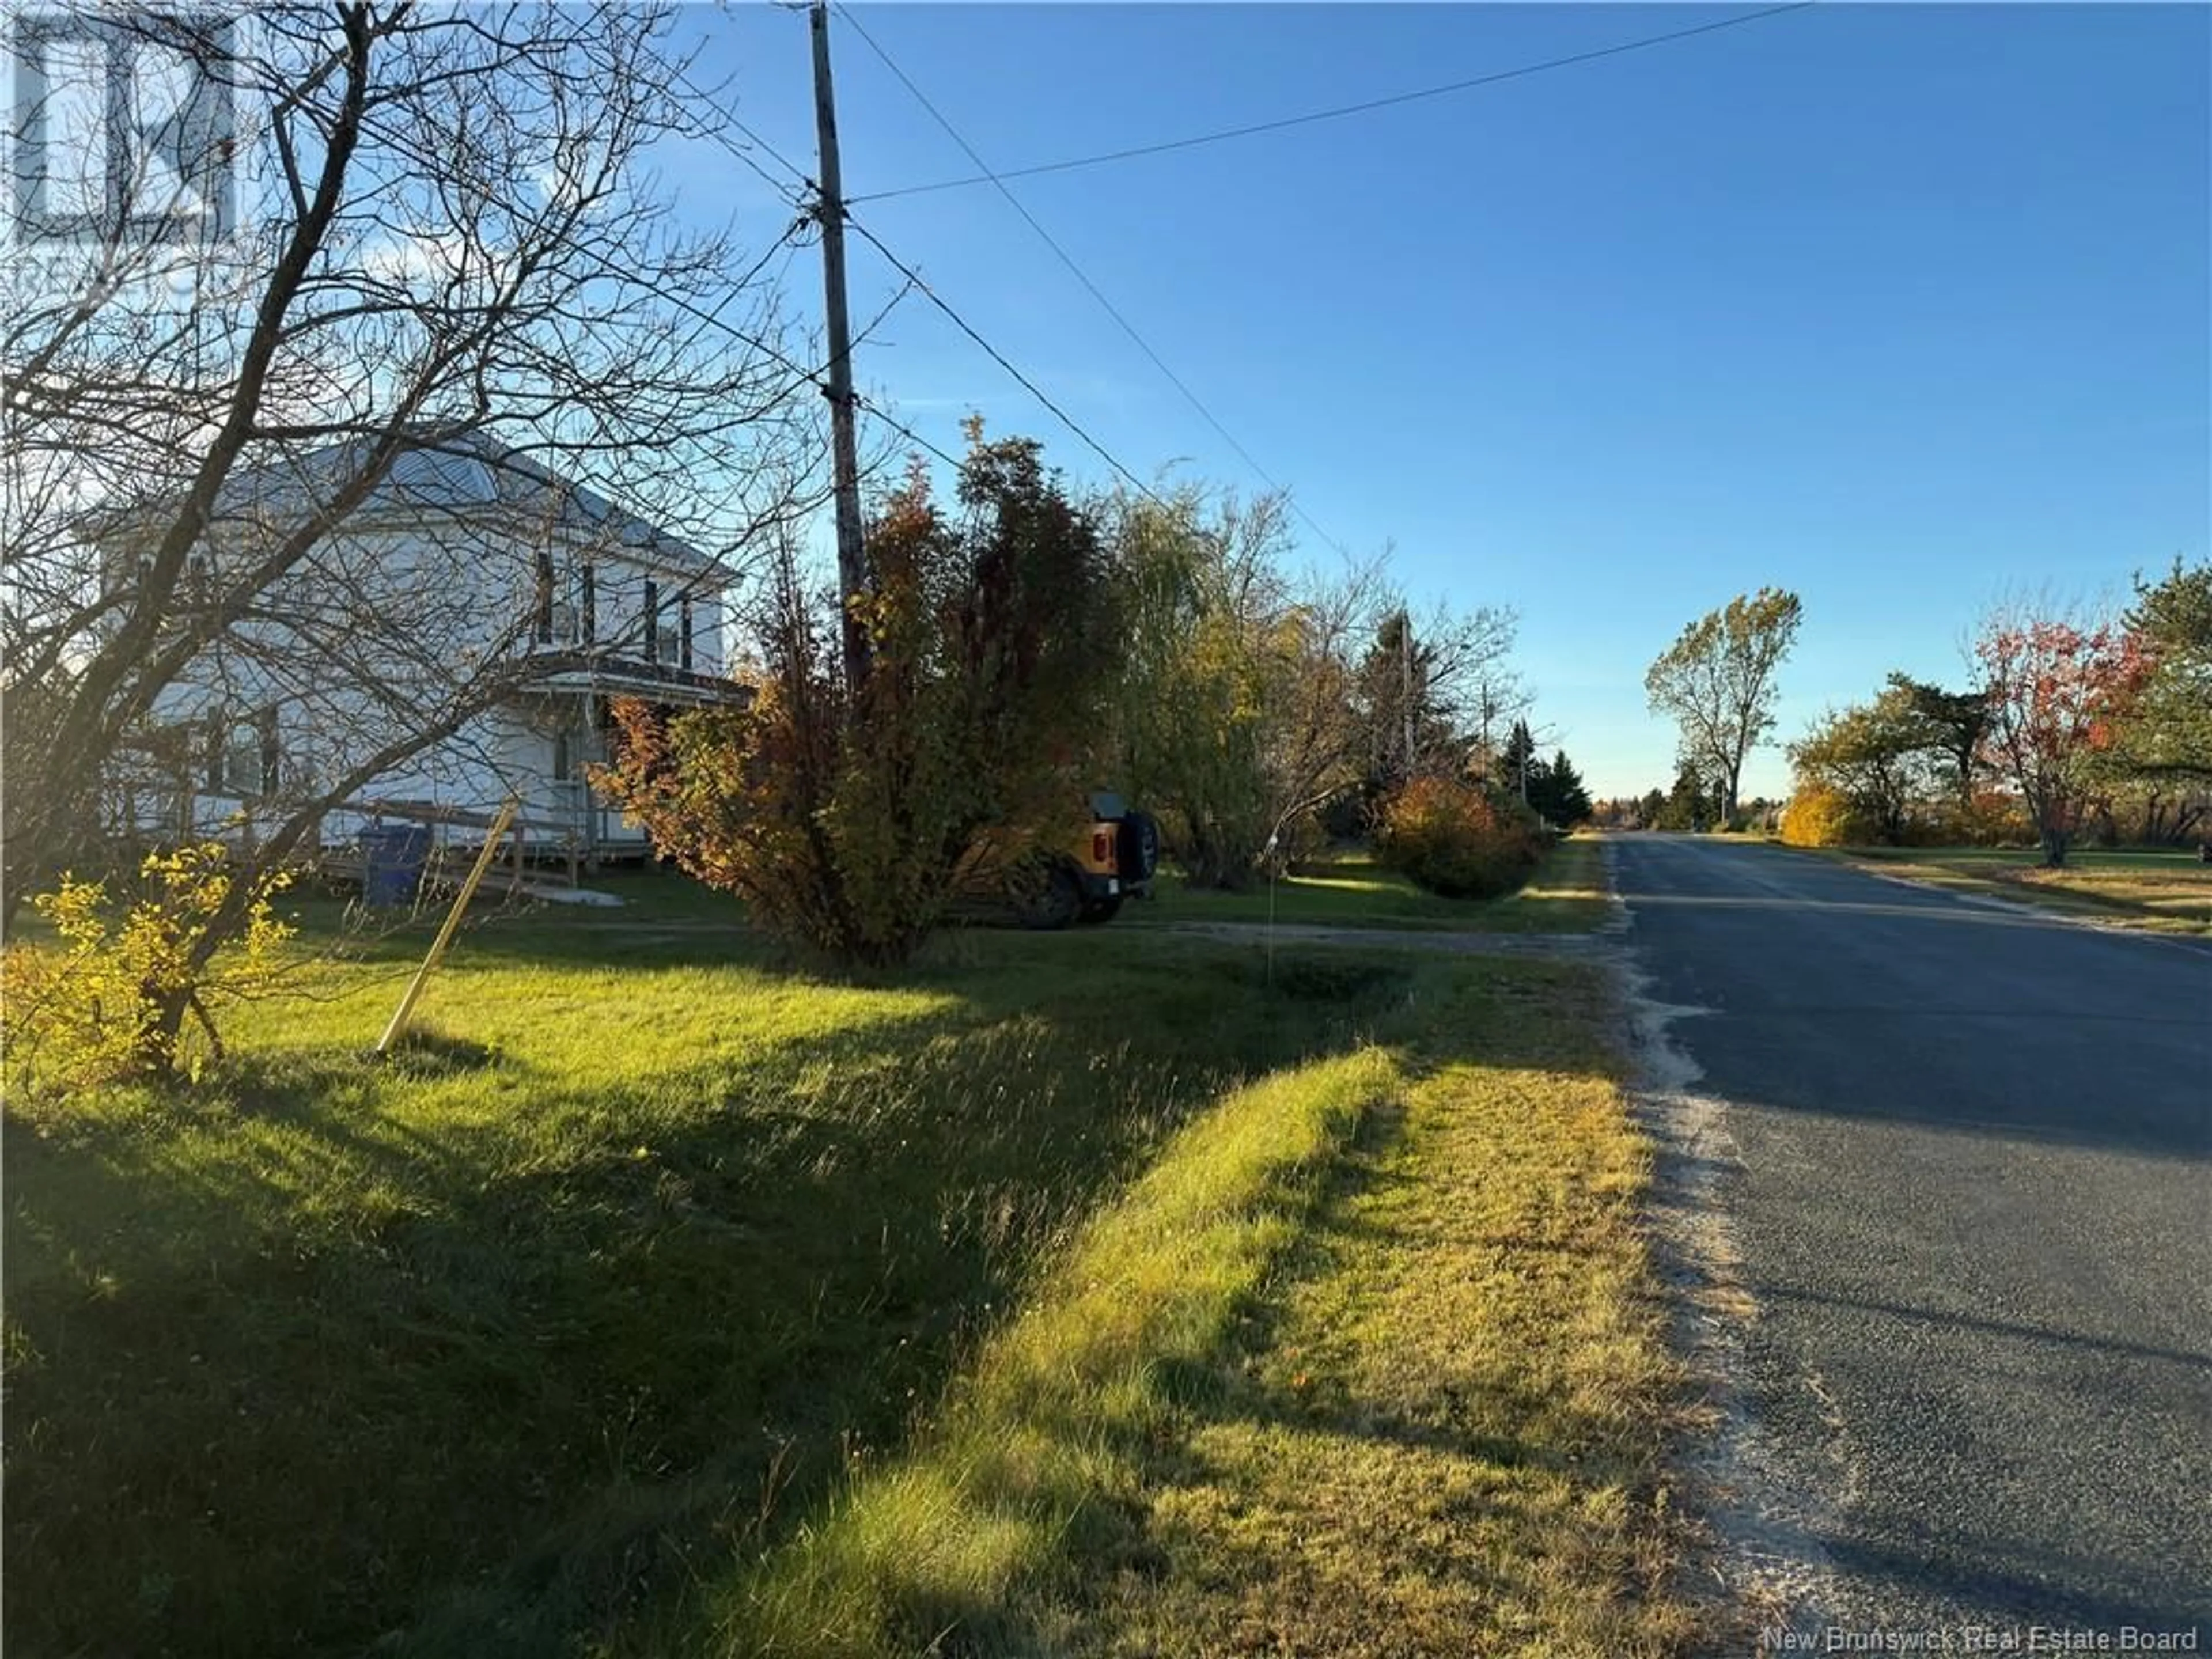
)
(1902, 308)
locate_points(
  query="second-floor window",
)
(683, 625)
(242, 756)
(588, 605)
(652, 620)
(543, 621)
(270, 752)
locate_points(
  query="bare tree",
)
(1434, 689)
(446, 289)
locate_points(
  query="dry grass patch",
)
(1041, 1442)
(1443, 1432)
(1369, 1362)
(2166, 892)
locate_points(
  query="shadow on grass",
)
(1255, 1483)
(295, 1373)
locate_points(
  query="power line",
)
(1336, 113)
(1000, 358)
(914, 281)
(1082, 276)
(952, 461)
(782, 244)
(724, 139)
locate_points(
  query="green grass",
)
(1565, 895)
(663, 1298)
(1434, 1422)
(610, 1280)
(1443, 1428)
(1036, 1461)
(2167, 891)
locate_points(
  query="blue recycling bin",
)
(392, 856)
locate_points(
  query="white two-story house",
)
(469, 594)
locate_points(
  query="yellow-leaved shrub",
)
(1821, 816)
(106, 999)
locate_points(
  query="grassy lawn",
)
(2163, 891)
(1565, 895)
(665, 1298)
(1442, 1430)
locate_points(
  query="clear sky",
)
(1903, 307)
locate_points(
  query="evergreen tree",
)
(1520, 766)
(1556, 791)
(1404, 703)
(1690, 804)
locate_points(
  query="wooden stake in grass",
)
(492, 840)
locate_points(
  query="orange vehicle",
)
(1113, 860)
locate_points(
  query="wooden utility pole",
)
(844, 446)
(1405, 664)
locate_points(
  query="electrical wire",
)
(914, 281)
(1082, 276)
(1339, 111)
(1000, 358)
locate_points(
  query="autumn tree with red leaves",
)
(2058, 692)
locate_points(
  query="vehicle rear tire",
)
(1101, 911)
(1046, 896)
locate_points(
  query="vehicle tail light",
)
(1102, 846)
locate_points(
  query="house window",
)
(590, 604)
(271, 751)
(652, 620)
(241, 760)
(211, 747)
(564, 758)
(545, 597)
(684, 652)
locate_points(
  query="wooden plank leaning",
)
(392, 1032)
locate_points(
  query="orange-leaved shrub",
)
(849, 809)
(1452, 839)
(1997, 819)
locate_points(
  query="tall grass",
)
(610, 1280)
(1044, 1433)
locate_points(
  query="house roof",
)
(469, 474)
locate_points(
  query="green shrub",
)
(1453, 840)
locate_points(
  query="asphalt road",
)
(1971, 1198)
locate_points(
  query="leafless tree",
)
(425, 272)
